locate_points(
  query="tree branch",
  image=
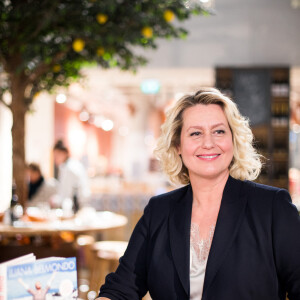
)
(44, 20)
(42, 68)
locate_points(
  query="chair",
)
(106, 256)
(84, 244)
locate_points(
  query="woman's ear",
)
(178, 149)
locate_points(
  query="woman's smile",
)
(208, 156)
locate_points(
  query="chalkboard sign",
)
(251, 92)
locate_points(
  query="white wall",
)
(242, 32)
(5, 157)
(40, 133)
(38, 145)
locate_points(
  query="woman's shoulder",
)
(165, 201)
(261, 188)
(266, 200)
(172, 195)
(159, 207)
(263, 193)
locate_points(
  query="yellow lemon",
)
(102, 18)
(100, 51)
(78, 45)
(169, 16)
(147, 32)
(36, 95)
(56, 68)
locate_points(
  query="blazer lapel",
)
(179, 230)
(230, 215)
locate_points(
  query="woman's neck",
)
(207, 193)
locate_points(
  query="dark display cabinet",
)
(262, 94)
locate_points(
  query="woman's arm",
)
(130, 279)
(286, 243)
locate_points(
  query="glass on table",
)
(67, 208)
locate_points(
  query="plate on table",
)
(35, 214)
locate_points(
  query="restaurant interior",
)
(111, 120)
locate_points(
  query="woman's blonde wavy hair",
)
(246, 162)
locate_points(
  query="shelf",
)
(281, 130)
(269, 86)
(280, 125)
(280, 99)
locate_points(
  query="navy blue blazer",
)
(255, 252)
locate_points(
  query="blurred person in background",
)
(40, 190)
(73, 181)
(221, 236)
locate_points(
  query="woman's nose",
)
(208, 141)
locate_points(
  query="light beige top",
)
(199, 251)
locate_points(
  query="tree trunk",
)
(18, 108)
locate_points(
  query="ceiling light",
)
(107, 125)
(295, 3)
(61, 98)
(84, 116)
(150, 86)
(206, 4)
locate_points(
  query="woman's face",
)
(59, 157)
(33, 175)
(206, 145)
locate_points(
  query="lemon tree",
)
(43, 44)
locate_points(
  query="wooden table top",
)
(81, 223)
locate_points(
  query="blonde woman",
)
(220, 236)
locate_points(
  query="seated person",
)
(40, 191)
(73, 182)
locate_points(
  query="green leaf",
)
(205, 13)
(107, 56)
(41, 34)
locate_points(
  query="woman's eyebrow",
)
(201, 127)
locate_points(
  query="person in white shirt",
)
(40, 190)
(73, 181)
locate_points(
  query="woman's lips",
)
(208, 157)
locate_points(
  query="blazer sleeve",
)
(130, 279)
(286, 242)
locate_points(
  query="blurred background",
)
(110, 119)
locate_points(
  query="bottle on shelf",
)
(16, 210)
(280, 88)
(280, 114)
(75, 200)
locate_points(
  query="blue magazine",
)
(50, 278)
